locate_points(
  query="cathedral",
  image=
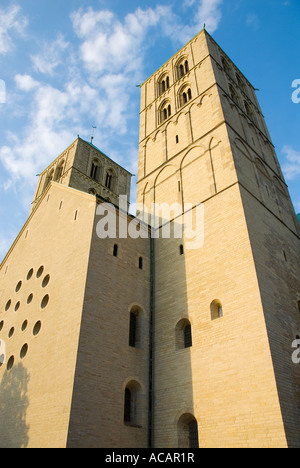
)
(174, 327)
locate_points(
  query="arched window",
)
(183, 334)
(241, 82)
(234, 94)
(187, 428)
(187, 333)
(185, 95)
(164, 112)
(127, 406)
(163, 84)
(109, 179)
(182, 68)
(136, 328)
(132, 329)
(95, 171)
(249, 111)
(133, 404)
(226, 65)
(216, 309)
(59, 171)
(49, 178)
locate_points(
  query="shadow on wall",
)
(13, 406)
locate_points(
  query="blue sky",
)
(72, 65)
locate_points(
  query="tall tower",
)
(225, 314)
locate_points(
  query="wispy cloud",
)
(291, 167)
(50, 56)
(95, 85)
(252, 20)
(11, 22)
(209, 12)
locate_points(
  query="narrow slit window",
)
(141, 263)
(132, 330)
(127, 406)
(95, 172)
(187, 336)
(193, 435)
(108, 180)
(116, 250)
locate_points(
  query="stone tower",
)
(226, 313)
(74, 313)
(121, 341)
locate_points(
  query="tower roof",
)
(100, 151)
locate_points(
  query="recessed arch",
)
(133, 403)
(183, 334)
(164, 111)
(182, 66)
(136, 326)
(193, 153)
(187, 431)
(166, 172)
(216, 309)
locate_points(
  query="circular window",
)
(40, 272)
(10, 362)
(46, 281)
(37, 328)
(24, 325)
(8, 304)
(30, 274)
(45, 302)
(19, 285)
(30, 298)
(24, 351)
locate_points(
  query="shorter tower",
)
(74, 315)
(84, 167)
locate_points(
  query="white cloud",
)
(50, 56)
(11, 21)
(110, 45)
(96, 85)
(291, 168)
(26, 82)
(209, 12)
